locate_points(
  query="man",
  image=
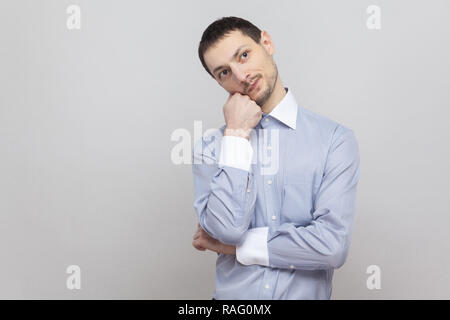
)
(279, 232)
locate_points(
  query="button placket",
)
(271, 182)
(266, 286)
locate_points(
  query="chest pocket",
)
(298, 196)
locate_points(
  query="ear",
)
(266, 42)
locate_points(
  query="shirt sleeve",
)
(236, 152)
(224, 190)
(324, 243)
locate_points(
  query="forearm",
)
(323, 244)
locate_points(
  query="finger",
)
(197, 246)
(197, 243)
(198, 233)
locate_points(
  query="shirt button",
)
(248, 190)
(267, 286)
(274, 218)
(267, 119)
(291, 266)
(269, 182)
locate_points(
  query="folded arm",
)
(324, 243)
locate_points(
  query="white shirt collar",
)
(286, 110)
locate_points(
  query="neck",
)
(275, 98)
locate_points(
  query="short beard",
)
(268, 92)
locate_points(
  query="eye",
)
(220, 74)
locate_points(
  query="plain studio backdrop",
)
(87, 115)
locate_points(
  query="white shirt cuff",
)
(236, 152)
(253, 247)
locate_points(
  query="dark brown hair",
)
(220, 28)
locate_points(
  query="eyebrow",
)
(234, 56)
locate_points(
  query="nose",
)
(240, 74)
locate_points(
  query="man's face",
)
(237, 62)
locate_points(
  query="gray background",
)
(86, 117)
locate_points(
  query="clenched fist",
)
(241, 115)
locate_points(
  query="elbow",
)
(226, 234)
(338, 257)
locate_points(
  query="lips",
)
(253, 86)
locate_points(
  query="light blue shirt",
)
(285, 199)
